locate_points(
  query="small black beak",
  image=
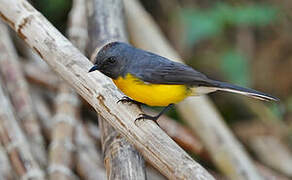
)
(94, 68)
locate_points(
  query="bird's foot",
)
(146, 116)
(126, 99)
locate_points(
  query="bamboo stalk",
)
(43, 113)
(99, 91)
(40, 76)
(94, 132)
(61, 147)
(264, 139)
(180, 134)
(67, 101)
(88, 159)
(15, 143)
(269, 174)
(199, 112)
(5, 166)
(122, 161)
(18, 90)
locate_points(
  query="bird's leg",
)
(154, 118)
(126, 99)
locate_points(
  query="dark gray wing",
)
(159, 70)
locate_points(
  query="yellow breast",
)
(151, 94)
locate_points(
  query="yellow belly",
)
(151, 94)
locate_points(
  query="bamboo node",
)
(67, 97)
(66, 143)
(24, 112)
(77, 31)
(12, 145)
(33, 174)
(60, 168)
(65, 118)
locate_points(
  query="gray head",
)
(111, 60)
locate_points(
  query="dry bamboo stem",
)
(67, 101)
(61, 147)
(88, 161)
(20, 98)
(106, 24)
(264, 139)
(269, 174)
(43, 113)
(5, 167)
(180, 134)
(99, 91)
(40, 76)
(199, 112)
(15, 142)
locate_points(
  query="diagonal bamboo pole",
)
(17, 88)
(15, 143)
(227, 153)
(62, 146)
(99, 91)
(67, 103)
(6, 171)
(122, 160)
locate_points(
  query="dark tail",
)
(222, 86)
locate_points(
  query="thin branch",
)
(199, 112)
(18, 90)
(99, 91)
(122, 161)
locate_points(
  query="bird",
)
(150, 79)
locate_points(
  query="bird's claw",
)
(145, 116)
(124, 100)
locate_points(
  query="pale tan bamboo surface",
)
(180, 134)
(19, 93)
(40, 76)
(121, 159)
(61, 145)
(6, 172)
(67, 104)
(43, 113)
(199, 112)
(88, 160)
(15, 143)
(99, 91)
(264, 139)
(269, 174)
(89, 163)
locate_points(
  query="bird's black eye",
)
(111, 60)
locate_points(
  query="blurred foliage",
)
(236, 68)
(204, 24)
(201, 24)
(56, 11)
